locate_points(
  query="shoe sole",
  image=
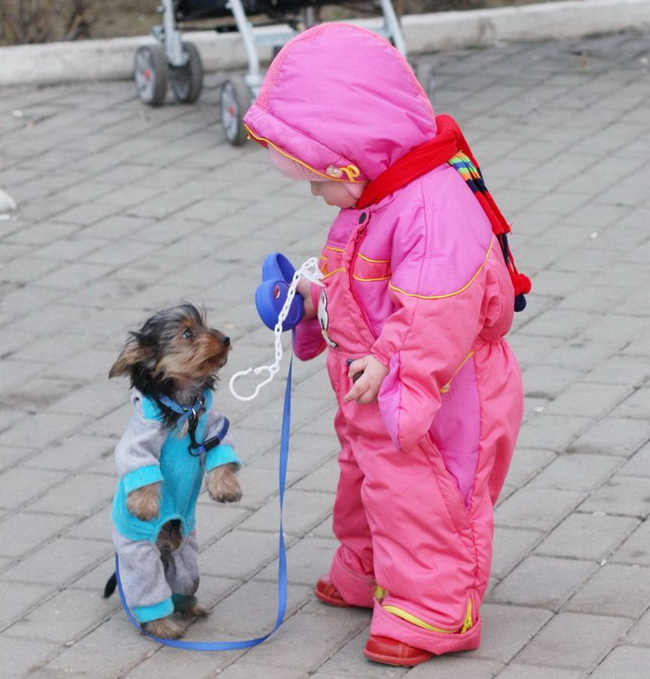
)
(398, 662)
(337, 603)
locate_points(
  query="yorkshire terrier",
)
(172, 440)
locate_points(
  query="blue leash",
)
(282, 558)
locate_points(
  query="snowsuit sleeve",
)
(137, 455)
(437, 287)
(308, 339)
(224, 453)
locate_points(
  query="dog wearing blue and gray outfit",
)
(173, 439)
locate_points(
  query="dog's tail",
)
(110, 586)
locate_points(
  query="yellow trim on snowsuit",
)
(449, 294)
(323, 269)
(331, 273)
(369, 280)
(373, 261)
(352, 171)
(467, 624)
(447, 386)
(380, 593)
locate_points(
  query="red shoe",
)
(392, 652)
(328, 594)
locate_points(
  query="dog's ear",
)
(132, 353)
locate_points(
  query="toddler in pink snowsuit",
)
(418, 293)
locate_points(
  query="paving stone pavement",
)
(123, 209)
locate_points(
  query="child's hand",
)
(304, 289)
(367, 386)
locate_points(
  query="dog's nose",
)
(225, 340)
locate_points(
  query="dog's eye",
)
(187, 334)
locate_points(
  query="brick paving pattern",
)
(123, 210)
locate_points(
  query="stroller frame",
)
(178, 62)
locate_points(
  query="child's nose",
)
(315, 188)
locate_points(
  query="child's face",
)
(333, 193)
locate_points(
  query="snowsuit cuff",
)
(355, 588)
(183, 601)
(382, 352)
(141, 477)
(154, 612)
(308, 340)
(223, 454)
(384, 624)
(307, 337)
(380, 357)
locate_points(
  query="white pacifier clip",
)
(311, 272)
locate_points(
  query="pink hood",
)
(335, 96)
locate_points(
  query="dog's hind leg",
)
(182, 573)
(195, 611)
(146, 590)
(163, 628)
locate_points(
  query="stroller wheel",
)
(187, 81)
(234, 100)
(151, 74)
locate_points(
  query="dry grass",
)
(27, 21)
(121, 18)
(32, 21)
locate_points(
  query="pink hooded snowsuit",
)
(418, 281)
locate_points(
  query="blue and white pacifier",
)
(271, 293)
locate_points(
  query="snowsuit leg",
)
(431, 549)
(352, 570)
(155, 587)
(143, 578)
(182, 572)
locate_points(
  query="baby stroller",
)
(177, 62)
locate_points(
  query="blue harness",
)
(187, 413)
(190, 414)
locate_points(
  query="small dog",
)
(173, 437)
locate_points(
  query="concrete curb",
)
(530, 23)
(113, 59)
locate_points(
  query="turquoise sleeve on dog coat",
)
(148, 453)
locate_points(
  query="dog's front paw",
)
(163, 628)
(144, 502)
(223, 485)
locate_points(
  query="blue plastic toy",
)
(271, 293)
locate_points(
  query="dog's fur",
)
(175, 354)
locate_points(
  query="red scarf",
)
(448, 142)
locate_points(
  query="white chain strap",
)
(310, 271)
